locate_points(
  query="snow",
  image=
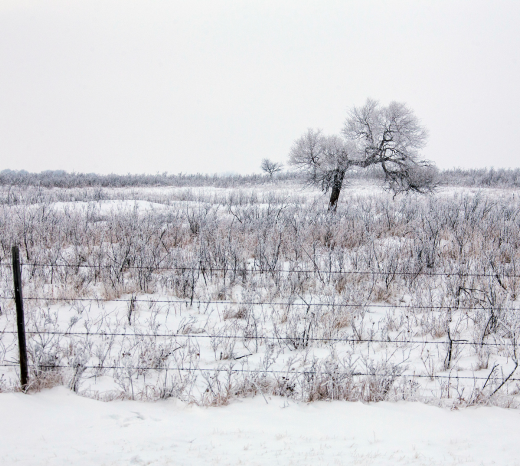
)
(58, 427)
(106, 207)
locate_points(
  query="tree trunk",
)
(336, 189)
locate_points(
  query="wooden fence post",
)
(20, 321)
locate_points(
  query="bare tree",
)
(389, 137)
(271, 167)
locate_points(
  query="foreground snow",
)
(58, 427)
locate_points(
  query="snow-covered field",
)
(257, 302)
(57, 427)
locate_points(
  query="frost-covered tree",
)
(270, 167)
(373, 135)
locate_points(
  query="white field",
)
(57, 427)
(261, 364)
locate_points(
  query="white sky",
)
(215, 86)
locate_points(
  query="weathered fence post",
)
(20, 321)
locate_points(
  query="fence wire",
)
(259, 371)
(275, 338)
(209, 269)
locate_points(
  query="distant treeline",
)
(481, 177)
(63, 179)
(478, 177)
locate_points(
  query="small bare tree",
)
(389, 137)
(271, 167)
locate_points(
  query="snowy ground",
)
(57, 427)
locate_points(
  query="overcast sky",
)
(215, 86)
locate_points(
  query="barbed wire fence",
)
(22, 331)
